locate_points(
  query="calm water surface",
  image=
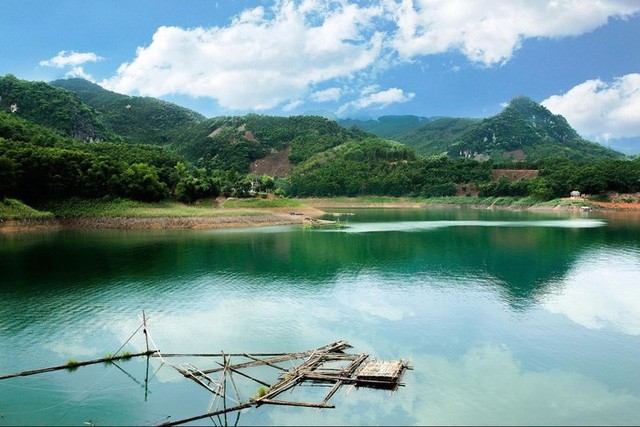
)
(507, 317)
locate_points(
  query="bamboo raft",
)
(328, 365)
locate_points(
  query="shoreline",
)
(256, 217)
(264, 217)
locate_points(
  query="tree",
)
(8, 170)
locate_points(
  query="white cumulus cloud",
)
(79, 72)
(272, 56)
(331, 94)
(377, 100)
(70, 59)
(293, 105)
(601, 110)
(489, 31)
(262, 59)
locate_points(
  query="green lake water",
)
(508, 318)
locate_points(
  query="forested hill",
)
(390, 127)
(235, 143)
(437, 136)
(524, 130)
(136, 119)
(55, 108)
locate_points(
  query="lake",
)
(507, 318)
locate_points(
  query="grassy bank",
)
(11, 209)
(124, 208)
(113, 213)
(261, 203)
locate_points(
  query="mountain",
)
(136, 119)
(237, 142)
(52, 107)
(524, 130)
(387, 126)
(438, 135)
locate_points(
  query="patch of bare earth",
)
(277, 164)
(625, 202)
(617, 205)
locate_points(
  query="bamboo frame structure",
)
(361, 371)
(328, 365)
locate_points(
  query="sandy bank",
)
(247, 218)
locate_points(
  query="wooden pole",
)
(144, 329)
(290, 403)
(207, 415)
(248, 376)
(75, 365)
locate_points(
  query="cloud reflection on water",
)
(486, 386)
(601, 291)
(371, 227)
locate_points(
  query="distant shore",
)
(257, 217)
(565, 204)
(303, 209)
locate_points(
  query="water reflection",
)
(601, 290)
(528, 324)
(473, 389)
(522, 256)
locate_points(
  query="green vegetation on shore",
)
(15, 209)
(11, 209)
(261, 203)
(125, 208)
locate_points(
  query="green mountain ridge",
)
(524, 130)
(55, 108)
(135, 119)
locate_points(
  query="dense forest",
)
(76, 139)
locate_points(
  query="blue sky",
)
(363, 59)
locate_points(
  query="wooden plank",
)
(254, 363)
(346, 373)
(266, 363)
(376, 369)
(333, 391)
(291, 403)
(333, 347)
(221, 354)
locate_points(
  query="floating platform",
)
(384, 372)
(328, 366)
